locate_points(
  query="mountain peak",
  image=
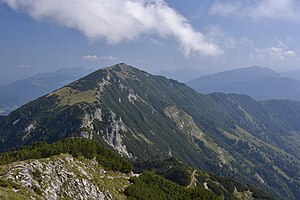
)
(121, 67)
(117, 71)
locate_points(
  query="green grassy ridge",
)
(228, 187)
(172, 169)
(150, 186)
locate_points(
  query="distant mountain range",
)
(260, 83)
(145, 117)
(182, 75)
(21, 92)
(295, 74)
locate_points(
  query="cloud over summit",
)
(274, 54)
(120, 20)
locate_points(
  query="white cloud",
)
(273, 54)
(119, 20)
(90, 57)
(95, 58)
(259, 9)
(224, 8)
(222, 39)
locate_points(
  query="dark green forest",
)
(73, 146)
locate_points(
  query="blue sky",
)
(207, 35)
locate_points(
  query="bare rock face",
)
(114, 135)
(64, 177)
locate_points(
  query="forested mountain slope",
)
(143, 117)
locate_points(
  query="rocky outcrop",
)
(65, 177)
